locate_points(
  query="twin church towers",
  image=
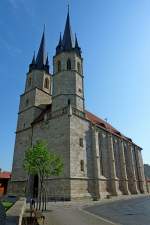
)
(98, 159)
(65, 85)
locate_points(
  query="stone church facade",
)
(98, 159)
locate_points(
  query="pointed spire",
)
(68, 43)
(46, 67)
(77, 48)
(60, 40)
(32, 65)
(40, 59)
(47, 61)
(59, 46)
(68, 40)
(33, 59)
(41, 62)
(76, 42)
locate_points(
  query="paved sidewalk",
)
(72, 215)
(130, 212)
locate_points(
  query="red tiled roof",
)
(5, 175)
(91, 117)
(102, 123)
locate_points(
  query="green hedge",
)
(7, 205)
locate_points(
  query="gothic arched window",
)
(79, 67)
(58, 66)
(29, 81)
(27, 102)
(46, 83)
(68, 64)
(82, 165)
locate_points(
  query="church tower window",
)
(58, 66)
(27, 102)
(81, 142)
(46, 83)
(29, 81)
(82, 165)
(78, 67)
(80, 90)
(68, 64)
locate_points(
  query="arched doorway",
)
(35, 186)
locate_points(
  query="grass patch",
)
(7, 205)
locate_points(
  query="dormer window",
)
(68, 64)
(46, 84)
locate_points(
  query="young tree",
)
(40, 161)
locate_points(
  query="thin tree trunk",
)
(40, 195)
(45, 196)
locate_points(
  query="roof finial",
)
(68, 7)
(44, 28)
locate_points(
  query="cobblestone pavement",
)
(134, 211)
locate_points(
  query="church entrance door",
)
(35, 186)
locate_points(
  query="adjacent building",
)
(4, 179)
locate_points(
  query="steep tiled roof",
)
(91, 117)
(5, 175)
(102, 123)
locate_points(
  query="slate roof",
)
(41, 56)
(68, 39)
(41, 62)
(68, 43)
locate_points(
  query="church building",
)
(98, 159)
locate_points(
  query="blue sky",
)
(115, 40)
